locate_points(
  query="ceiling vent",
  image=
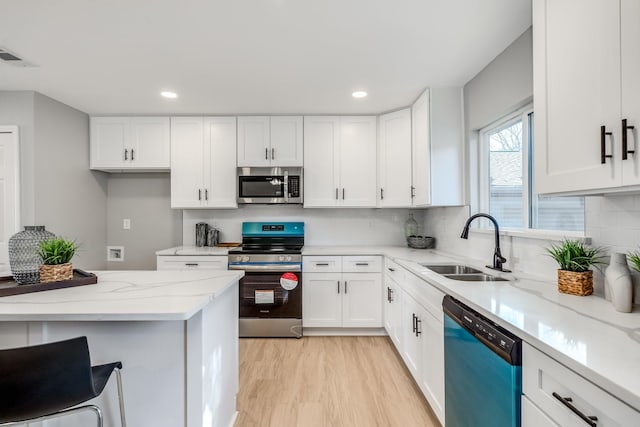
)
(11, 58)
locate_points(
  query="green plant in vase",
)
(634, 259)
(575, 259)
(56, 254)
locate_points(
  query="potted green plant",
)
(56, 254)
(575, 259)
(634, 258)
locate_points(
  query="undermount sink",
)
(481, 277)
(454, 269)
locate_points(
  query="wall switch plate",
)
(126, 224)
(115, 253)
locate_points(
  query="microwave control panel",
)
(294, 186)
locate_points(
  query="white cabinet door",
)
(108, 139)
(432, 382)
(392, 311)
(286, 141)
(630, 51)
(187, 162)
(394, 159)
(321, 174)
(576, 91)
(254, 148)
(362, 300)
(220, 170)
(149, 143)
(9, 192)
(357, 161)
(322, 300)
(411, 342)
(532, 416)
(421, 155)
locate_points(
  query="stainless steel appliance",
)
(270, 185)
(482, 370)
(271, 290)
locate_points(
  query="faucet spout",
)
(498, 259)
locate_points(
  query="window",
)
(506, 180)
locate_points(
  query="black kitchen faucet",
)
(498, 259)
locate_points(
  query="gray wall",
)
(70, 199)
(57, 188)
(146, 200)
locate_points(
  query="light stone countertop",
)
(194, 251)
(124, 296)
(585, 334)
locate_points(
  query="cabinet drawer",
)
(321, 264)
(542, 377)
(205, 262)
(362, 264)
(394, 271)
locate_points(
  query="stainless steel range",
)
(271, 290)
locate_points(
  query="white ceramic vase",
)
(618, 279)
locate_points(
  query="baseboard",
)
(233, 419)
(343, 332)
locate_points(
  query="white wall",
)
(337, 227)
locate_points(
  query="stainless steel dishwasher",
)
(483, 370)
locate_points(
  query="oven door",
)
(271, 295)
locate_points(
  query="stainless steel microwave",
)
(270, 185)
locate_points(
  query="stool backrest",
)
(42, 378)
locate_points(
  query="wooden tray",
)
(9, 287)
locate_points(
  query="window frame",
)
(529, 201)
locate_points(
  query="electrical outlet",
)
(126, 224)
(115, 253)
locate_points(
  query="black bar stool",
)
(48, 380)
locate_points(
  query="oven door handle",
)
(266, 268)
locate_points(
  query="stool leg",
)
(123, 422)
(98, 413)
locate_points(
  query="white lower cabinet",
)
(335, 296)
(413, 320)
(566, 398)
(185, 262)
(533, 416)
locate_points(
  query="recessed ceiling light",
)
(168, 94)
(359, 94)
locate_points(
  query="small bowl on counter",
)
(421, 242)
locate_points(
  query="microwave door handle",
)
(286, 186)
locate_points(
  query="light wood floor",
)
(327, 381)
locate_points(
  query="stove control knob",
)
(288, 257)
(281, 258)
(245, 259)
(238, 258)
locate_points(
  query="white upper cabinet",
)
(130, 144)
(437, 148)
(394, 159)
(203, 158)
(340, 161)
(270, 141)
(586, 81)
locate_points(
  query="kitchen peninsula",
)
(176, 333)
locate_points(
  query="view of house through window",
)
(509, 194)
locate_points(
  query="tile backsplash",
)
(612, 222)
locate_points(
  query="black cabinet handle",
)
(625, 129)
(566, 401)
(418, 322)
(191, 264)
(390, 295)
(206, 193)
(273, 154)
(603, 151)
(322, 264)
(345, 286)
(266, 153)
(413, 191)
(391, 269)
(414, 322)
(132, 158)
(199, 194)
(382, 194)
(362, 264)
(338, 286)
(343, 194)
(126, 154)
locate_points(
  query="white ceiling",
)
(251, 56)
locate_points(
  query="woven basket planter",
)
(56, 273)
(574, 283)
